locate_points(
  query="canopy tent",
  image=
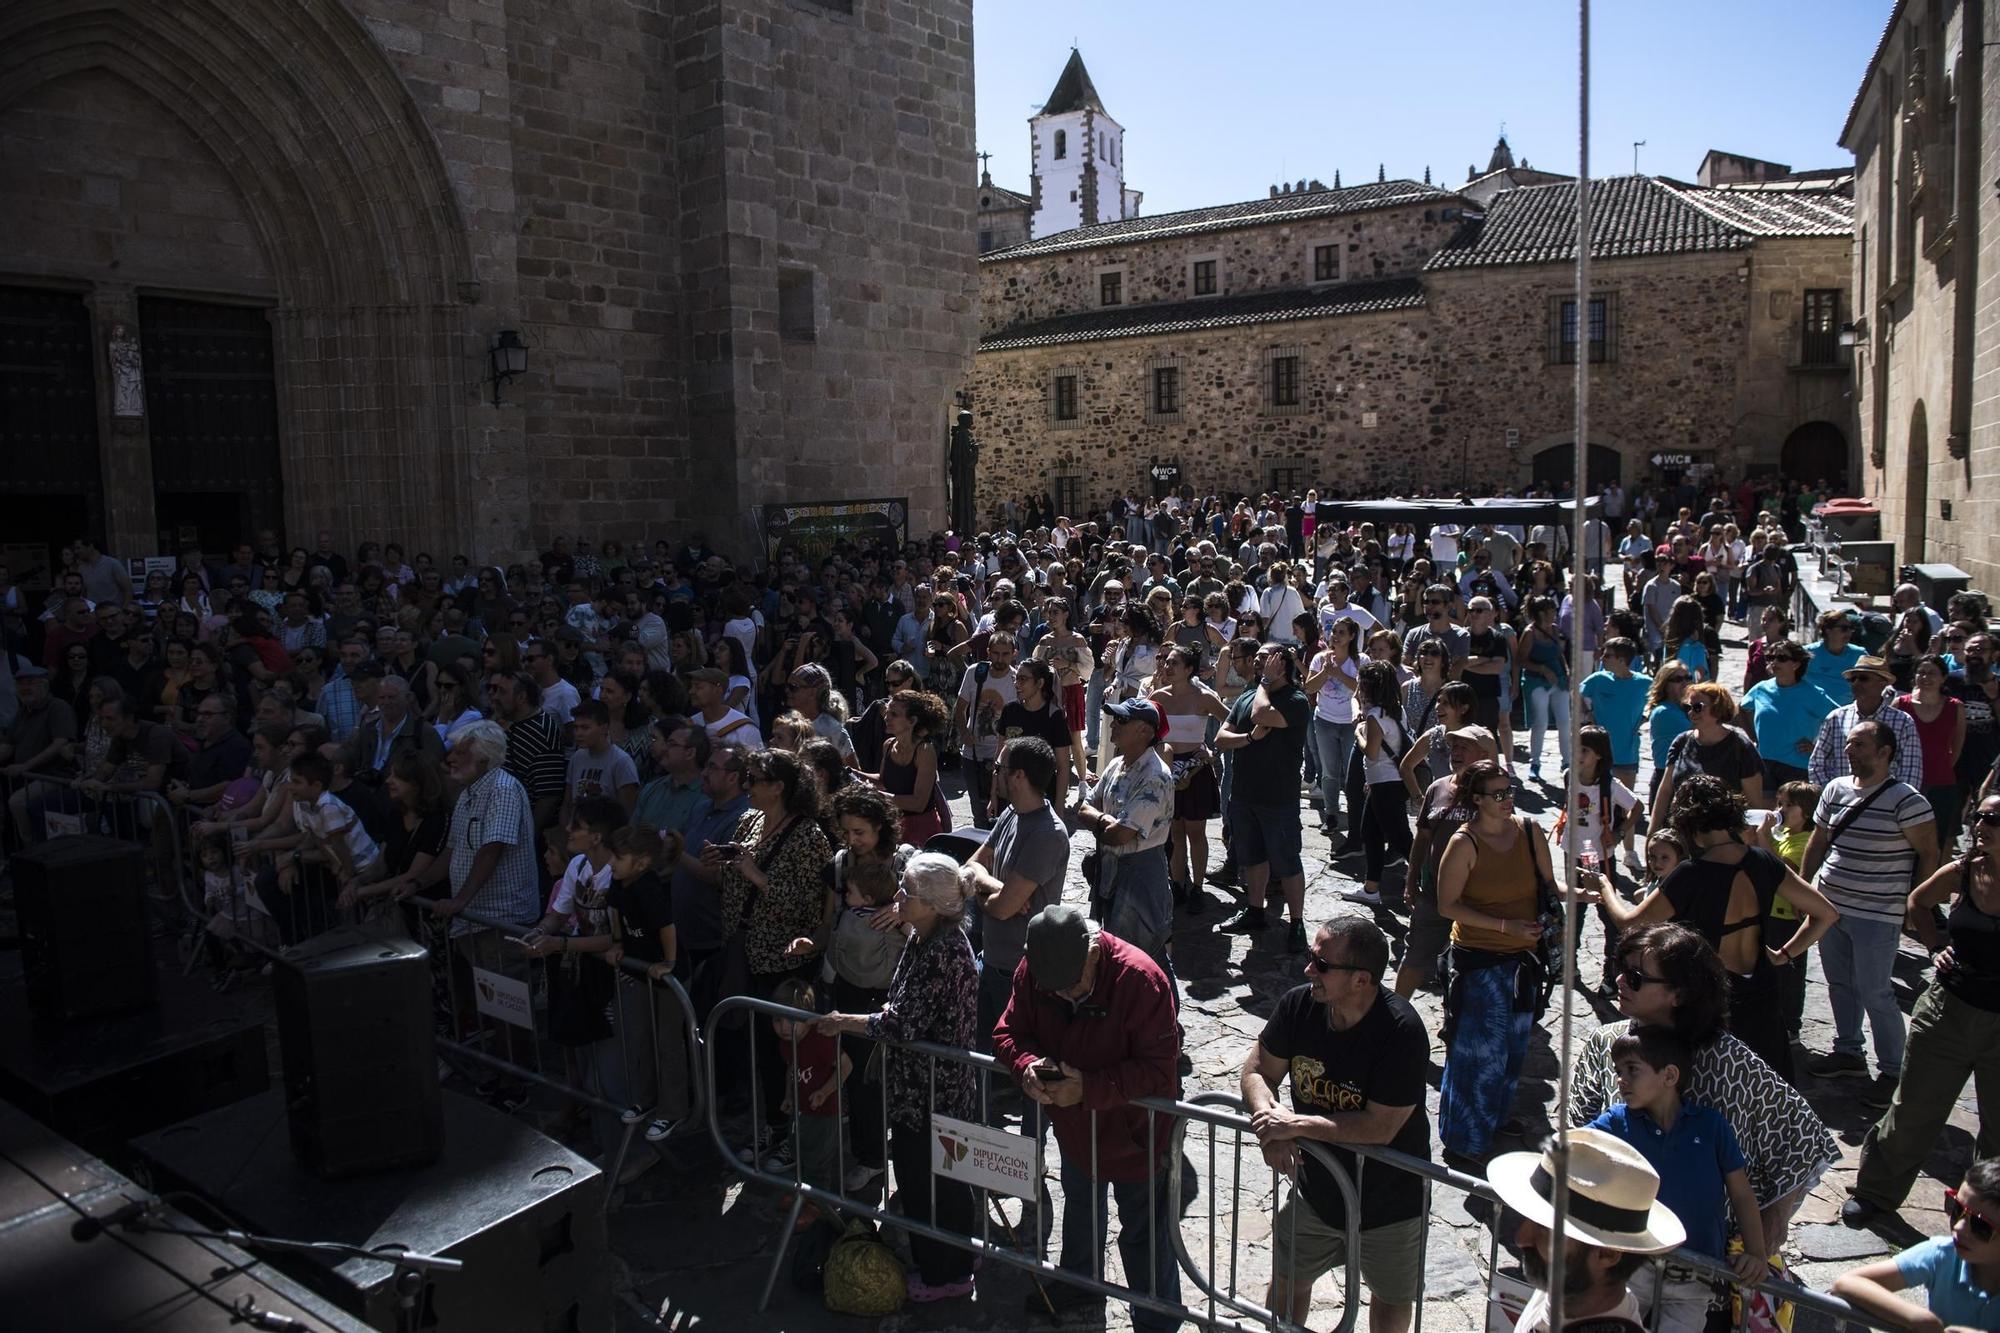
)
(1428, 514)
(1501, 509)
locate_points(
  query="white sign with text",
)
(501, 996)
(980, 1155)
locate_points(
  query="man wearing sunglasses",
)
(1358, 1057)
(1437, 627)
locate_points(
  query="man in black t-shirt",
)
(1267, 729)
(1358, 1057)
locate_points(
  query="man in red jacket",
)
(1089, 1027)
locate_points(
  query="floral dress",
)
(933, 997)
(790, 903)
(1786, 1145)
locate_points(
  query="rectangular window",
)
(798, 319)
(1326, 263)
(1820, 329)
(985, 241)
(1286, 478)
(1066, 489)
(1166, 390)
(1065, 405)
(1284, 381)
(1598, 325)
(1111, 288)
(1204, 277)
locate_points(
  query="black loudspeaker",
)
(81, 903)
(359, 1056)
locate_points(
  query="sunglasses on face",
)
(1990, 818)
(1505, 793)
(1697, 706)
(1980, 1227)
(1321, 966)
(1638, 980)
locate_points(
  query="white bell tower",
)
(1078, 163)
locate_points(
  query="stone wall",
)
(625, 182)
(1928, 288)
(1777, 393)
(1380, 243)
(1367, 414)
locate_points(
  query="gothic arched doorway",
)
(1555, 467)
(1815, 450)
(1916, 489)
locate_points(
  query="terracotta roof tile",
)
(1141, 321)
(1630, 215)
(1251, 213)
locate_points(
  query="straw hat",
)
(1613, 1193)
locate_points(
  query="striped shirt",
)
(1868, 868)
(1829, 756)
(535, 756)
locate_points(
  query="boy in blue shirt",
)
(1960, 1273)
(1615, 699)
(1701, 1168)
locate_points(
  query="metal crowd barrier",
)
(1214, 1270)
(41, 806)
(1226, 1306)
(494, 1016)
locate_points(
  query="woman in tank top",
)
(1385, 809)
(1725, 891)
(1069, 653)
(1489, 888)
(1189, 705)
(1955, 1028)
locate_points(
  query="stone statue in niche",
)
(1916, 119)
(128, 385)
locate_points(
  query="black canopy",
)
(1428, 514)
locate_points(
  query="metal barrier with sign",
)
(43, 806)
(992, 1158)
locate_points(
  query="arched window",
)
(1062, 144)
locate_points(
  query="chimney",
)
(1274, 192)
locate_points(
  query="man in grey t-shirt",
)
(1018, 872)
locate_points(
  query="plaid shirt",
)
(495, 809)
(1829, 756)
(340, 708)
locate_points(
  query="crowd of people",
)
(655, 758)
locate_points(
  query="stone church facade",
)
(1925, 132)
(737, 240)
(1396, 336)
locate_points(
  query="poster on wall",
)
(811, 531)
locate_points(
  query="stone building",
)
(1391, 336)
(1925, 133)
(258, 256)
(1006, 217)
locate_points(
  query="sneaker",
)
(1837, 1064)
(1055, 1299)
(1878, 1092)
(1197, 901)
(1858, 1212)
(1295, 939)
(780, 1159)
(860, 1176)
(766, 1140)
(1364, 897)
(922, 1292)
(656, 1130)
(1248, 920)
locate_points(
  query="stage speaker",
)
(359, 1056)
(81, 903)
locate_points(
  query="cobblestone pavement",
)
(692, 1243)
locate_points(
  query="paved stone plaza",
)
(692, 1244)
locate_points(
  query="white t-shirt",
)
(744, 631)
(560, 700)
(1586, 821)
(579, 875)
(1383, 768)
(1335, 700)
(733, 728)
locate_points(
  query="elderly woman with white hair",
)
(933, 997)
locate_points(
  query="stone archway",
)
(1916, 489)
(1815, 450)
(1555, 466)
(348, 195)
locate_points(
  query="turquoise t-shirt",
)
(1619, 706)
(1784, 717)
(1668, 721)
(1824, 668)
(1937, 1266)
(1694, 655)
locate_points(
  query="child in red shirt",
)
(817, 1067)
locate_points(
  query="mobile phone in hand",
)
(1050, 1073)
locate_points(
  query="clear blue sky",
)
(1221, 100)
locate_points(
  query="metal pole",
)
(1578, 620)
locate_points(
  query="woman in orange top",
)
(1495, 915)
